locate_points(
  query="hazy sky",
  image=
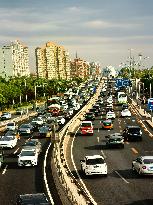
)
(99, 30)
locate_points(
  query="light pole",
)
(25, 84)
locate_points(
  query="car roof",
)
(86, 121)
(146, 157)
(94, 157)
(39, 199)
(107, 120)
(132, 126)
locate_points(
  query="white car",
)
(110, 115)
(38, 121)
(143, 165)
(9, 140)
(70, 110)
(92, 165)
(60, 120)
(32, 144)
(28, 157)
(125, 113)
(11, 126)
(6, 116)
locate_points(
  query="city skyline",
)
(102, 31)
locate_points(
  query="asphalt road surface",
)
(122, 186)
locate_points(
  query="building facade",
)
(14, 60)
(80, 68)
(52, 62)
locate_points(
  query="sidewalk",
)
(143, 113)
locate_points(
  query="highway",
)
(122, 185)
(15, 180)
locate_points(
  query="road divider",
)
(134, 150)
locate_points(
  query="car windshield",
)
(86, 125)
(148, 161)
(134, 130)
(10, 133)
(95, 161)
(27, 153)
(107, 123)
(10, 124)
(30, 143)
(25, 126)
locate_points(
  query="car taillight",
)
(144, 167)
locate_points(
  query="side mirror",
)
(82, 160)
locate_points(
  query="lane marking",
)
(5, 169)
(98, 129)
(83, 184)
(16, 150)
(98, 139)
(122, 177)
(134, 150)
(103, 154)
(127, 142)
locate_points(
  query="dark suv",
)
(90, 116)
(132, 133)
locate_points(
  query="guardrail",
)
(74, 189)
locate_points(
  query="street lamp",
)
(25, 84)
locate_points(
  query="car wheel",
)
(139, 172)
(133, 168)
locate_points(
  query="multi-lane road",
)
(122, 185)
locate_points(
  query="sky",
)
(104, 31)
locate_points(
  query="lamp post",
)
(25, 84)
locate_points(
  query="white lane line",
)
(102, 152)
(98, 129)
(122, 177)
(16, 151)
(72, 159)
(98, 139)
(4, 171)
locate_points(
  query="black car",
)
(90, 116)
(32, 199)
(95, 111)
(132, 133)
(115, 140)
(125, 106)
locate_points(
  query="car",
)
(143, 165)
(21, 111)
(115, 140)
(45, 131)
(86, 128)
(70, 110)
(6, 116)
(60, 120)
(89, 116)
(11, 126)
(38, 121)
(106, 124)
(125, 113)
(125, 106)
(9, 140)
(110, 115)
(94, 165)
(28, 157)
(132, 133)
(95, 111)
(33, 199)
(33, 143)
(25, 129)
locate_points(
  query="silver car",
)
(143, 165)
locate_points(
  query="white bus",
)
(122, 98)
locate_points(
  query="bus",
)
(122, 98)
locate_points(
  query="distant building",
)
(109, 71)
(95, 70)
(52, 62)
(80, 68)
(14, 60)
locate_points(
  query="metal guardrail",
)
(65, 175)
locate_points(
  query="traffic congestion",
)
(23, 143)
(113, 141)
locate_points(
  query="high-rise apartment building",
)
(14, 60)
(80, 68)
(52, 62)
